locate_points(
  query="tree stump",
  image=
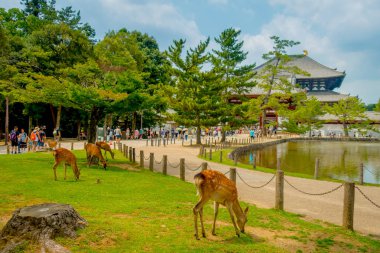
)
(41, 223)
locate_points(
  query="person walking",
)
(23, 139)
(13, 137)
(118, 134)
(252, 134)
(41, 141)
(35, 137)
(128, 133)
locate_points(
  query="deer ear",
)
(246, 210)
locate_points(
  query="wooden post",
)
(134, 155)
(72, 146)
(151, 142)
(163, 141)
(279, 204)
(151, 161)
(254, 160)
(147, 142)
(182, 169)
(114, 146)
(8, 151)
(348, 205)
(159, 142)
(59, 145)
(235, 158)
(130, 154)
(221, 156)
(165, 165)
(205, 153)
(142, 158)
(126, 151)
(201, 151)
(210, 154)
(361, 173)
(204, 166)
(316, 168)
(233, 174)
(191, 142)
(278, 163)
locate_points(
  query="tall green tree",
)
(273, 77)
(377, 106)
(194, 93)
(235, 80)
(348, 111)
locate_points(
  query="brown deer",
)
(103, 145)
(66, 156)
(93, 151)
(217, 187)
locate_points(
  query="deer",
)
(216, 186)
(94, 151)
(66, 156)
(103, 145)
(52, 144)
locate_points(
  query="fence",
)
(280, 181)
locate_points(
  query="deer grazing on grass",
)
(93, 151)
(103, 145)
(66, 156)
(217, 187)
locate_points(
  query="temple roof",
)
(314, 68)
(327, 96)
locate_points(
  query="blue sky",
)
(342, 34)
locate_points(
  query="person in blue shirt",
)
(252, 133)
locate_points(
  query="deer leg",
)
(196, 210)
(201, 218)
(216, 209)
(229, 207)
(55, 170)
(65, 170)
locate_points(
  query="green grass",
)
(140, 211)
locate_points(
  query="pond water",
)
(337, 160)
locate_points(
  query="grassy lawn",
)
(135, 210)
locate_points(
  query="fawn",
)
(94, 151)
(66, 156)
(217, 187)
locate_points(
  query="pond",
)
(337, 160)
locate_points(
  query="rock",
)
(41, 223)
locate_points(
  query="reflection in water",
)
(338, 160)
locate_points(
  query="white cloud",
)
(157, 15)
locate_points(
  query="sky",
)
(342, 34)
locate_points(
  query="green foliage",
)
(235, 79)
(377, 106)
(349, 111)
(194, 94)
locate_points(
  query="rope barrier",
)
(159, 161)
(227, 172)
(313, 194)
(171, 165)
(365, 196)
(255, 187)
(195, 169)
(369, 171)
(147, 158)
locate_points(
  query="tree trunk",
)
(41, 223)
(199, 130)
(59, 111)
(78, 132)
(345, 128)
(264, 128)
(223, 136)
(134, 122)
(53, 115)
(94, 120)
(105, 128)
(30, 122)
(6, 119)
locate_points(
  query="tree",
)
(235, 78)
(348, 111)
(275, 74)
(305, 116)
(377, 106)
(194, 93)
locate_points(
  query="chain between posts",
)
(159, 161)
(365, 196)
(171, 165)
(195, 169)
(369, 170)
(255, 187)
(313, 194)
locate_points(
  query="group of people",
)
(20, 139)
